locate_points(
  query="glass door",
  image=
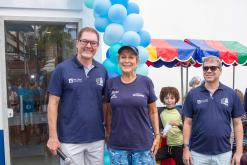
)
(32, 50)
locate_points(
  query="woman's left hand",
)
(156, 144)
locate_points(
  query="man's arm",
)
(153, 114)
(53, 143)
(238, 133)
(186, 139)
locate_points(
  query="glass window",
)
(33, 49)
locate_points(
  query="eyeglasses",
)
(212, 68)
(92, 43)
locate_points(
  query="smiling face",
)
(128, 61)
(211, 70)
(170, 101)
(87, 45)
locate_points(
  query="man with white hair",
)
(195, 82)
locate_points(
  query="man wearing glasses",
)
(75, 108)
(209, 110)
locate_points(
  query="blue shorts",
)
(124, 157)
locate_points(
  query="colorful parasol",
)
(230, 52)
(170, 53)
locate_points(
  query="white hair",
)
(194, 80)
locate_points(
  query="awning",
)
(170, 53)
(229, 52)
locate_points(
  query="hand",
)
(53, 144)
(236, 158)
(163, 135)
(187, 158)
(155, 145)
(173, 123)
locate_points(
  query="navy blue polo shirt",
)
(80, 115)
(131, 127)
(211, 118)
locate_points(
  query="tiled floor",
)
(32, 155)
(35, 160)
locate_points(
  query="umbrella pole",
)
(187, 76)
(182, 84)
(233, 78)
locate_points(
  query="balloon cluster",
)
(121, 24)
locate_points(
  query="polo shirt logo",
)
(224, 101)
(138, 94)
(74, 80)
(99, 81)
(202, 101)
(113, 93)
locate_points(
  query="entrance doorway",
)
(32, 51)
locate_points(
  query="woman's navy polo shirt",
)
(131, 126)
(80, 115)
(211, 118)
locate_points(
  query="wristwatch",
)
(186, 146)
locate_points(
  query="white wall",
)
(198, 19)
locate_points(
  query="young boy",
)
(172, 122)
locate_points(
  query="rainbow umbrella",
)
(229, 52)
(171, 53)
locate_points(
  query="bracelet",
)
(156, 134)
(186, 146)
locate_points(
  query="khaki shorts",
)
(84, 153)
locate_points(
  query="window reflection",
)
(32, 52)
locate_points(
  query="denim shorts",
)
(124, 157)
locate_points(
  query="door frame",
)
(3, 73)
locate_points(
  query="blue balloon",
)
(111, 75)
(107, 160)
(113, 52)
(133, 8)
(101, 23)
(142, 69)
(133, 22)
(131, 38)
(101, 7)
(113, 33)
(89, 3)
(122, 2)
(117, 13)
(145, 38)
(143, 54)
(110, 67)
(95, 14)
(107, 53)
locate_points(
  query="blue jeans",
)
(124, 157)
(220, 159)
